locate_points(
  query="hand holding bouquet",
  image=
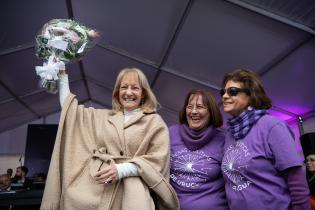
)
(61, 41)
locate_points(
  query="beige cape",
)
(89, 139)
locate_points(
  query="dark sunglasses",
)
(233, 91)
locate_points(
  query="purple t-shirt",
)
(252, 166)
(196, 175)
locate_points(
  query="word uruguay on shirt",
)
(234, 164)
(190, 168)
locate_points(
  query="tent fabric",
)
(179, 44)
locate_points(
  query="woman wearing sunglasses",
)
(261, 167)
(196, 154)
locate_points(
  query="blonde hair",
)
(148, 102)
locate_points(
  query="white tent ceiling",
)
(179, 44)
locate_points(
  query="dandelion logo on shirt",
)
(234, 165)
(190, 168)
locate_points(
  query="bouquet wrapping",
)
(59, 42)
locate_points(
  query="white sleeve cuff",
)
(126, 170)
(64, 89)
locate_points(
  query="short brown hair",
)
(149, 103)
(250, 80)
(215, 118)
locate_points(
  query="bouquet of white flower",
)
(61, 41)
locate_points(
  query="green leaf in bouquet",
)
(44, 40)
(68, 56)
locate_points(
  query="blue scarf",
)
(240, 126)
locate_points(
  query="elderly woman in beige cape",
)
(111, 159)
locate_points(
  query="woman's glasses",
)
(197, 107)
(233, 91)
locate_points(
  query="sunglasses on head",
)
(233, 91)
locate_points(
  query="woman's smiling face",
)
(234, 105)
(197, 113)
(130, 92)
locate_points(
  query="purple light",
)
(281, 115)
(298, 110)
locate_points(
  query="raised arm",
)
(64, 89)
